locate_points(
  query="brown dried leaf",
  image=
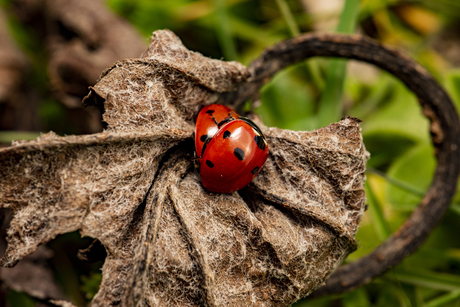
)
(164, 89)
(169, 242)
(60, 184)
(216, 75)
(319, 174)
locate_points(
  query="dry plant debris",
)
(17, 109)
(82, 37)
(77, 40)
(169, 242)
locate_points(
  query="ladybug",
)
(232, 149)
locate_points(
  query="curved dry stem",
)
(445, 132)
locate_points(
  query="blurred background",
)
(52, 50)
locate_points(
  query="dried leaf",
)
(169, 242)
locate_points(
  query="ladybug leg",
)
(196, 159)
(196, 162)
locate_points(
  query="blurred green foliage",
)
(312, 94)
(90, 284)
(18, 299)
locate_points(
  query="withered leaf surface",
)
(169, 242)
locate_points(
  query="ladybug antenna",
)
(214, 119)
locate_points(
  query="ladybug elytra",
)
(231, 149)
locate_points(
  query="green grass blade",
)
(224, 32)
(245, 30)
(378, 94)
(426, 278)
(450, 7)
(444, 299)
(408, 295)
(358, 297)
(287, 15)
(9, 136)
(399, 183)
(349, 17)
(416, 297)
(330, 107)
(455, 208)
(311, 67)
(441, 255)
(380, 224)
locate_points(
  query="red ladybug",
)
(233, 151)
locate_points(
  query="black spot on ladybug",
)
(260, 142)
(203, 137)
(209, 163)
(239, 153)
(210, 111)
(226, 134)
(255, 170)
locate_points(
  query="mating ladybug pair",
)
(231, 150)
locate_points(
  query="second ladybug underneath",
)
(231, 150)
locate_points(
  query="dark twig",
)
(445, 132)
